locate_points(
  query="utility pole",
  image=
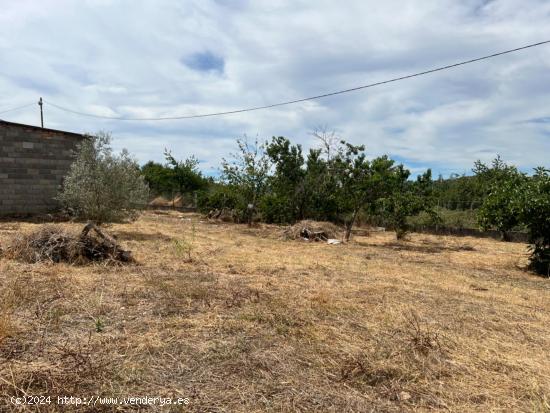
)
(40, 103)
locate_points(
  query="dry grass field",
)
(240, 320)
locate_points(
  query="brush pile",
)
(54, 243)
(224, 214)
(312, 231)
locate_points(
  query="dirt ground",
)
(239, 320)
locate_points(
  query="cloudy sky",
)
(167, 58)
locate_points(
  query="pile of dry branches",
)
(312, 231)
(224, 214)
(54, 243)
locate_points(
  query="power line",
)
(17, 108)
(290, 102)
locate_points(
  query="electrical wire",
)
(17, 108)
(290, 102)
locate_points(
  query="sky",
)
(131, 58)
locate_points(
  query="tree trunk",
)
(349, 226)
(400, 233)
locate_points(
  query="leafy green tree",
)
(500, 208)
(185, 175)
(503, 185)
(462, 192)
(102, 186)
(320, 189)
(488, 176)
(360, 182)
(284, 201)
(218, 196)
(247, 173)
(534, 213)
(407, 198)
(352, 171)
(158, 177)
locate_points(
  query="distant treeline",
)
(277, 182)
(459, 192)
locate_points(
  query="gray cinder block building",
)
(33, 163)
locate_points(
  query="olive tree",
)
(102, 186)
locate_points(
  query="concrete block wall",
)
(33, 163)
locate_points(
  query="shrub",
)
(275, 208)
(446, 218)
(217, 197)
(102, 186)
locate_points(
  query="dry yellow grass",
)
(238, 319)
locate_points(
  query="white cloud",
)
(127, 58)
